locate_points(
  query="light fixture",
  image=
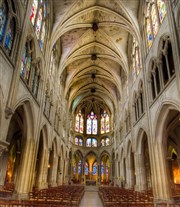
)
(93, 57)
(93, 90)
(95, 26)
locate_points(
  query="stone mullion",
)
(155, 84)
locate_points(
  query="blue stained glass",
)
(86, 170)
(10, 35)
(102, 169)
(45, 11)
(94, 168)
(3, 20)
(24, 60)
(79, 167)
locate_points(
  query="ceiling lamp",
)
(93, 57)
(95, 26)
(93, 76)
(93, 90)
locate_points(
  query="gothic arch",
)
(27, 106)
(138, 140)
(161, 117)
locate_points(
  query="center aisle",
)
(91, 198)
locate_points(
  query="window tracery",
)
(78, 141)
(136, 59)
(105, 141)
(155, 13)
(8, 25)
(38, 18)
(30, 68)
(91, 142)
(91, 127)
(104, 122)
(79, 122)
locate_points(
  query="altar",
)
(90, 182)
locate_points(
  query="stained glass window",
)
(3, 19)
(91, 142)
(79, 122)
(155, 13)
(79, 166)
(94, 142)
(105, 142)
(36, 80)
(154, 18)
(91, 127)
(76, 141)
(149, 33)
(26, 61)
(86, 169)
(102, 142)
(88, 142)
(39, 23)
(136, 58)
(43, 32)
(80, 142)
(33, 11)
(74, 168)
(104, 122)
(161, 9)
(38, 18)
(102, 168)
(107, 169)
(94, 170)
(10, 35)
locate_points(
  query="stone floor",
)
(91, 198)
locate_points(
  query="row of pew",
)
(61, 196)
(120, 197)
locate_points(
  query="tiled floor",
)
(91, 199)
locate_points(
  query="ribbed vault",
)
(94, 37)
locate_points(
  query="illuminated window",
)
(91, 142)
(4, 18)
(30, 72)
(94, 168)
(155, 13)
(79, 122)
(78, 141)
(91, 127)
(105, 142)
(38, 17)
(104, 122)
(79, 167)
(161, 9)
(26, 61)
(7, 24)
(136, 59)
(86, 169)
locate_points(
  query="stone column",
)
(24, 175)
(4, 155)
(54, 171)
(140, 173)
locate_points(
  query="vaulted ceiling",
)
(94, 38)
